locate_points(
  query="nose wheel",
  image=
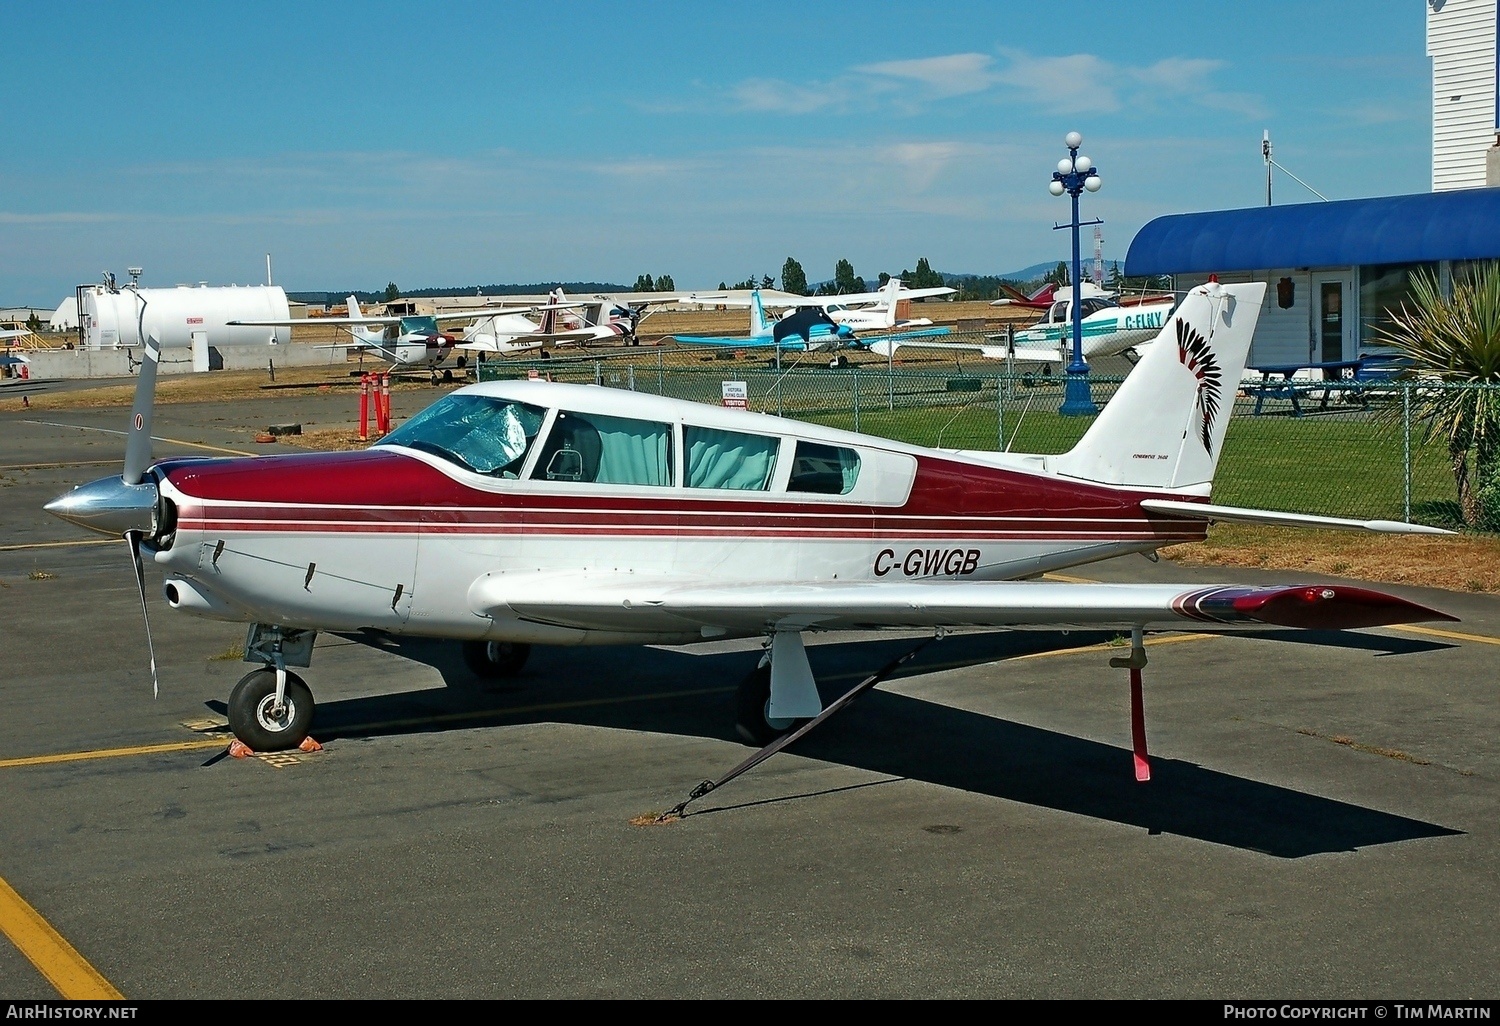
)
(492, 659)
(261, 722)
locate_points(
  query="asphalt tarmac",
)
(1321, 823)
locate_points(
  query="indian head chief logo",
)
(1194, 352)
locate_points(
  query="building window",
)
(1383, 288)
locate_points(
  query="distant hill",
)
(1033, 272)
(537, 289)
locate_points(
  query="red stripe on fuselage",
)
(383, 491)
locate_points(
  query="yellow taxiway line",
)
(111, 753)
(1437, 633)
(154, 438)
(59, 545)
(56, 959)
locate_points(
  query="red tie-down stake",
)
(364, 407)
(385, 402)
(1135, 662)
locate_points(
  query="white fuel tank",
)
(110, 320)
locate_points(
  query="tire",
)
(491, 659)
(250, 712)
(751, 722)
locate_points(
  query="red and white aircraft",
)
(515, 513)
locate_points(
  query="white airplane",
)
(861, 311)
(1109, 329)
(563, 322)
(515, 513)
(403, 341)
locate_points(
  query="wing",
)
(341, 322)
(606, 602)
(480, 313)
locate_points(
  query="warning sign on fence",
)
(736, 394)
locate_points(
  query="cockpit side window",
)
(481, 433)
(729, 459)
(823, 469)
(593, 448)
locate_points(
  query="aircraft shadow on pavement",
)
(664, 691)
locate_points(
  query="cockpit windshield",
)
(485, 434)
(419, 326)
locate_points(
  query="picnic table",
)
(1296, 381)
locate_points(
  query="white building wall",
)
(1461, 43)
(1281, 336)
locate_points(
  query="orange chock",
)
(309, 745)
(239, 750)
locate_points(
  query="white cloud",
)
(952, 75)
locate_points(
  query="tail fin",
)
(887, 305)
(759, 325)
(549, 316)
(1165, 426)
(360, 333)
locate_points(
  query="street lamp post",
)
(1074, 174)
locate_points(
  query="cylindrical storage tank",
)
(114, 319)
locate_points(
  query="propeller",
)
(137, 460)
(126, 505)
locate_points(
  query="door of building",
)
(1331, 338)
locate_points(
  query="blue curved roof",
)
(1463, 224)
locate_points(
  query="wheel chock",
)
(239, 750)
(309, 745)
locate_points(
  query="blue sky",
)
(453, 144)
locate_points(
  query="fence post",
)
(1406, 448)
(661, 385)
(598, 373)
(999, 413)
(631, 369)
(854, 383)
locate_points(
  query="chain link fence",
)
(1349, 448)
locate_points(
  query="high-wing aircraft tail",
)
(759, 324)
(1165, 426)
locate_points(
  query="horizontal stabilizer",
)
(1205, 511)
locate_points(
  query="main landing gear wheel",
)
(496, 658)
(754, 698)
(258, 723)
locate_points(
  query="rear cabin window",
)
(823, 469)
(729, 459)
(594, 449)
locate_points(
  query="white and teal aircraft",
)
(807, 329)
(1110, 328)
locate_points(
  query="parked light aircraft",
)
(564, 321)
(418, 340)
(516, 513)
(1109, 329)
(809, 328)
(862, 311)
(1041, 299)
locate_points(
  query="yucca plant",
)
(1454, 342)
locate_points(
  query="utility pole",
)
(1265, 152)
